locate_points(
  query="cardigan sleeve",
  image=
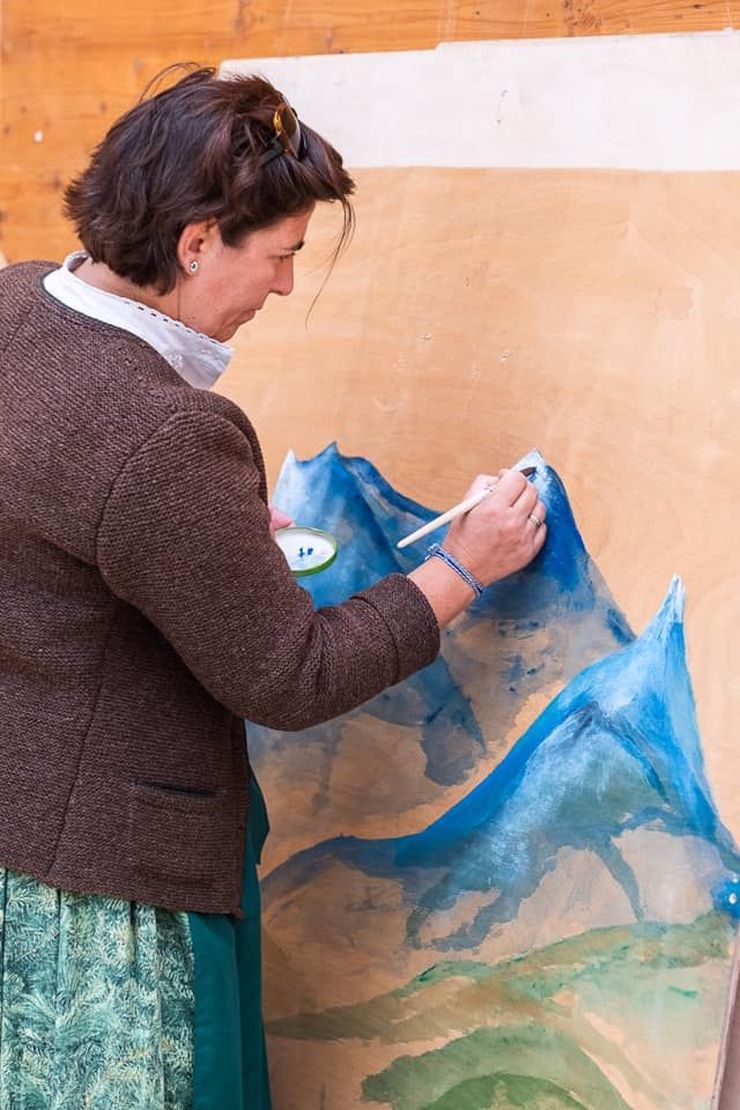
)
(184, 537)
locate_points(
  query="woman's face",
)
(232, 283)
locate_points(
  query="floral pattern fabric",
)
(96, 1002)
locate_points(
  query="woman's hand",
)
(500, 535)
(279, 519)
(504, 532)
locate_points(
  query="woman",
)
(147, 610)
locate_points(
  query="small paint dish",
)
(307, 550)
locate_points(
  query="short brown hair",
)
(189, 153)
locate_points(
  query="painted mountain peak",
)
(349, 497)
(613, 759)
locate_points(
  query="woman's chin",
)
(228, 331)
(223, 335)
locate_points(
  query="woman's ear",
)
(195, 241)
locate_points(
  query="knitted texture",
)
(145, 610)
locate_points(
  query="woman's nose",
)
(284, 277)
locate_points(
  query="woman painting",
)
(146, 610)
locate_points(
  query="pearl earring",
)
(193, 266)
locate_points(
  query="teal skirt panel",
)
(113, 1005)
(230, 1071)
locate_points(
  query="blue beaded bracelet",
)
(470, 579)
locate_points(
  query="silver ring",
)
(535, 520)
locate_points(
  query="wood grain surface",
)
(67, 70)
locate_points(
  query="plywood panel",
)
(594, 315)
(69, 69)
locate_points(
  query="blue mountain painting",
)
(524, 637)
(559, 931)
(615, 754)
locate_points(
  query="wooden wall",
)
(67, 70)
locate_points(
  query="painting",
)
(505, 881)
(544, 253)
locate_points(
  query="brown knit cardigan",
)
(145, 610)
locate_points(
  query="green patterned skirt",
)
(114, 1005)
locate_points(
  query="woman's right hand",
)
(501, 534)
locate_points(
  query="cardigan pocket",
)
(177, 834)
(168, 788)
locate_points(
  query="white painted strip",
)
(652, 102)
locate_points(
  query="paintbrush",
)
(456, 510)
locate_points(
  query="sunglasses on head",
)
(287, 137)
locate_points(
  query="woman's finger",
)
(510, 486)
(279, 519)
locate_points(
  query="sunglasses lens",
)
(289, 129)
(287, 137)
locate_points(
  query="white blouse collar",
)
(197, 358)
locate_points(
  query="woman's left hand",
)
(279, 519)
